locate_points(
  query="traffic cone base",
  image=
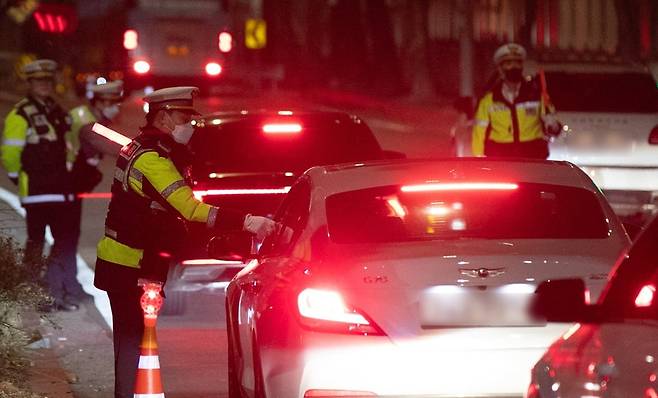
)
(148, 383)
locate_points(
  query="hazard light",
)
(645, 296)
(130, 39)
(259, 191)
(282, 128)
(141, 67)
(213, 69)
(459, 186)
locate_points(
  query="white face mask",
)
(111, 111)
(182, 133)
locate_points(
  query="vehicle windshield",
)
(632, 294)
(245, 147)
(599, 92)
(456, 211)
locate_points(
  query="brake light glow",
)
(263, 191)
(282, 128)
(130, 39)
(141, 67)
(327, 305)
(337, 393)
(460, 186)
(209, 261)
(213, 68)
(225, 42)
(645, 296)
(588, 297)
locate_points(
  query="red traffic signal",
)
(56, 18)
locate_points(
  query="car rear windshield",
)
(517, 211)
(245, 147)
(600, 92)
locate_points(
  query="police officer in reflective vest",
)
(87, 146)
(151, 200)
(512, 119)
(34, 153)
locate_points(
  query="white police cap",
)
(40, 68)
(108, 91)
(509, 51)
(172, 98)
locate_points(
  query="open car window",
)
(463, 211)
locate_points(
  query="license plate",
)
(455, 306)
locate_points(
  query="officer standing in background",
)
(152, 199)
(34, 153)
(512, 119)
(104, 107)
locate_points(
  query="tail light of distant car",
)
(200, 194)
(225, 42)
(213, 69)
(653, 136)
(325, 310)
(645, 297)
(338, 393)
(282, 128)
(130, 39)
(141, 67)
(460, 186)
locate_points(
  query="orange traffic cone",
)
(148, 383)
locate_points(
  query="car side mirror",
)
(560, 300)
(233, 246)
(393, 154)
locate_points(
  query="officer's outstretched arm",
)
(13, 142)
(172, 188)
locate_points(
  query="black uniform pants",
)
(128, 329)
(536, 149)
(64, 222)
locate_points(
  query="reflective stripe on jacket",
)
(34, 149)
(499, 121)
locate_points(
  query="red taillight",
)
(213, 69)
(282, 128)
(460, 186)
(260, 191)
(533, 391)
(225, 42)
(141, 67)
(653, 136)
(645, 296)
(325, 310)
(130, 39)
(338, 393)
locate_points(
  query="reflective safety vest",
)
(80, 116)
(501, 122)
(34, 149)
(151, 200)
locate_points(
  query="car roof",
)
(354, 176)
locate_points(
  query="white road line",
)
(84, 274)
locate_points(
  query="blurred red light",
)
(653, 136)
(337, 393)
(225, 41)
(130, 39)
(141, 67)
(213, 68)
(459, 186)
(282, 128)
(645, 296)
(263, 191)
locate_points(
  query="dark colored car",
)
(247, 161)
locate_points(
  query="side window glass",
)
(291, 220)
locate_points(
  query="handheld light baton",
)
(111, 134)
